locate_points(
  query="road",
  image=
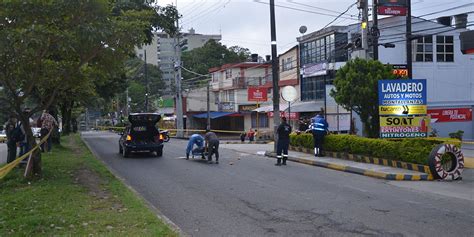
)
(246, 195)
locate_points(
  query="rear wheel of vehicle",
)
(167, 138)
(159, 153)
(125, 153)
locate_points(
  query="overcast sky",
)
(247, 22)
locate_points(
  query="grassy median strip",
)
(76, 195)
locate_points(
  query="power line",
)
(202, 13)
(303, 10)
(339, 15)
(212, 13)
(320, 8)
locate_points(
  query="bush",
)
(409, 150)
(457, 135)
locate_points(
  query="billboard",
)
(256, 94)
(402, 108)
(450, 115)
(392, 7)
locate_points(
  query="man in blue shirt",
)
(319, 127)
(194, 139)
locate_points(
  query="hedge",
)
(414, 150)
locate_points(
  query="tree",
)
(60, 49)
(212, 54)
(356, 86)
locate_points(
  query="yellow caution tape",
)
(8, 167)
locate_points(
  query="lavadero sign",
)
(402, 92)
(402, 108)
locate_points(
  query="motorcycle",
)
(166, 135)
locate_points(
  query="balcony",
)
(244, 82)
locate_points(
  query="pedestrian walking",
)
(195, 139)
(12, 131)
(48, 123)
(319, 128)
(212, 145)
(283, 131)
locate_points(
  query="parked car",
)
(142, 135)
(3, 136)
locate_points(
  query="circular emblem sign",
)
(446, 162)
(289, 93)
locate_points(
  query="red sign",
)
(257, 94)
(293, 115)
(392, 10)
(450, 115)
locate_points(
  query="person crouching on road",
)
(212, 145)
(283, 131)
(319, 128)
(194, 139)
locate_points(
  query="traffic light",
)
(183, 44)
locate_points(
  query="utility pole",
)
(375, 29)
(146, 84)
(408, 42)
(208, 127)
(276, 91)
(365, 21)
(179, 101)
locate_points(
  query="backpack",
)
(17, 135)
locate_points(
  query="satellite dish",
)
(289, 93)
(303, 29)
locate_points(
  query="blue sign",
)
(402, 92)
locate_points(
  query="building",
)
(230, 108)
(437, 57)
(161, 52)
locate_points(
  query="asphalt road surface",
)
(246, 195)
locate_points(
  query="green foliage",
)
(212, 54)
(408, 150)
(457, 135)
(356, 87)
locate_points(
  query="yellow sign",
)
(403, 110)
(402, 121)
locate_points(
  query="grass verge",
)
(76, 195)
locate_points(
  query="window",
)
(444, 48)
(312, 88)
(216, 97)
(423, 49)
(231, 96)
(262, 120)
(228, 73)
(287, 64)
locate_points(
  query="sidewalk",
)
(372, 170)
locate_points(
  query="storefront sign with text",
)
(257, 94)
(450, 115)
(293, 115)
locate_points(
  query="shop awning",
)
(215, 115)
(264, 109)
(309, 106)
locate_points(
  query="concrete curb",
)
(159, 215)
(370, 160)
(360, 171)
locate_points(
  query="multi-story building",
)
(230, 108)
(437, 57)
(161, 52)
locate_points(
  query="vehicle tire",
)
(167, 138)
(125, 153)
(159, 153)
(446, 170)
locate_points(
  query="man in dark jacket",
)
(11, 124)
(283, 131)
(212, 144)
(319, 127)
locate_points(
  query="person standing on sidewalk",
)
(319, 127)
(283, 131)
(48, 122)
(212, 145)
(10, 126)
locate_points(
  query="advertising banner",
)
(403, 110)
(450, 115)
(293, 115)
(392, 7)
(402, 92)
(403, 127)
(257, 94)
(247, 108)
